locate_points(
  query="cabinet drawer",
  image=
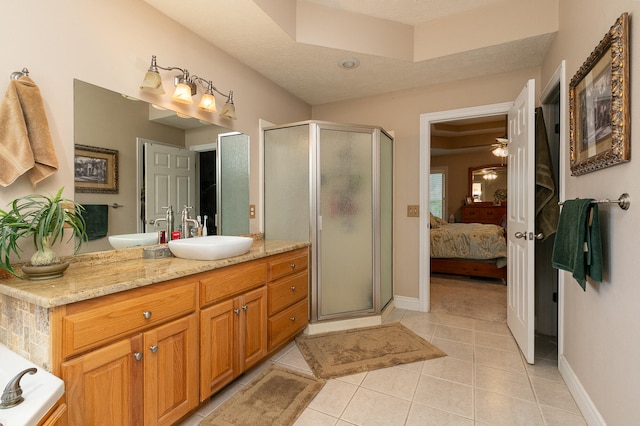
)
(288, 264)
(287, 323)
(287, 291)
(231, 280)
(99, 321)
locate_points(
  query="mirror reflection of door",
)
(169, 181)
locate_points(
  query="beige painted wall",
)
(400, 112)
(109, 44)
(601, 342)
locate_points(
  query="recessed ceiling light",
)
(349, 63)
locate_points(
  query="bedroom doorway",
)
(553, 102)
(485, 113)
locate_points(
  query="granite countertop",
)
(102, 273)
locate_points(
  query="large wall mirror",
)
(488, 184)
(217, 186)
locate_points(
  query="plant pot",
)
(44, 272)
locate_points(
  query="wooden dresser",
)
(479, 213)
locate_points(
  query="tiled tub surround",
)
(26, 309)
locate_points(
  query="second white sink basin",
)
(213, 247)
(133, 240)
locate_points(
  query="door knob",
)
(536, 236)
(522, 235)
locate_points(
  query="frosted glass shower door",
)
(345, 226)
(233, 184)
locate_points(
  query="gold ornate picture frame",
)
(599, 115)
(95, 169)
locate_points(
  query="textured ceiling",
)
(310, 71)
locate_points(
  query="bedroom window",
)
(437, 192)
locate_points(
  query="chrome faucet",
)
(168, 219)
(186, 220)
(12, 394)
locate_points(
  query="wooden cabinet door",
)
(102, 387)
(218, 347)
(253, 326)
(170, 371)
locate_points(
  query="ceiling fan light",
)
(492, 175)
(501, 151)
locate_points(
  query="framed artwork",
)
(96, 169)
(599, 113)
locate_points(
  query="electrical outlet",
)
(413, 211)
(252, 211)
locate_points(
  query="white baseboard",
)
(409, 303)
(585, 404)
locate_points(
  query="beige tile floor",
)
(484, 380)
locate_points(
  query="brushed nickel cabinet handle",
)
(137, 356)
(153, 348)
(146, 314)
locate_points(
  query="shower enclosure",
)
(331, 184)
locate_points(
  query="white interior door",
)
(521, 221)
(169, 181)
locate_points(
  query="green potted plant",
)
(44, 219)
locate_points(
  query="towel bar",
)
(624, 201)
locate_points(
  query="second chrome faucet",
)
(185, 221)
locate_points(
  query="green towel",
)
(578, 248)
(96, 217)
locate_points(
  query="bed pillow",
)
(435, 222)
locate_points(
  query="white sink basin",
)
(133, 240)
(40, 390)
(213, 247)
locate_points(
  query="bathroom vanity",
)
(145, 341)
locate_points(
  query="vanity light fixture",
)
(229, 109)
(186, 88)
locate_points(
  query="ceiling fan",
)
(501, 148)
